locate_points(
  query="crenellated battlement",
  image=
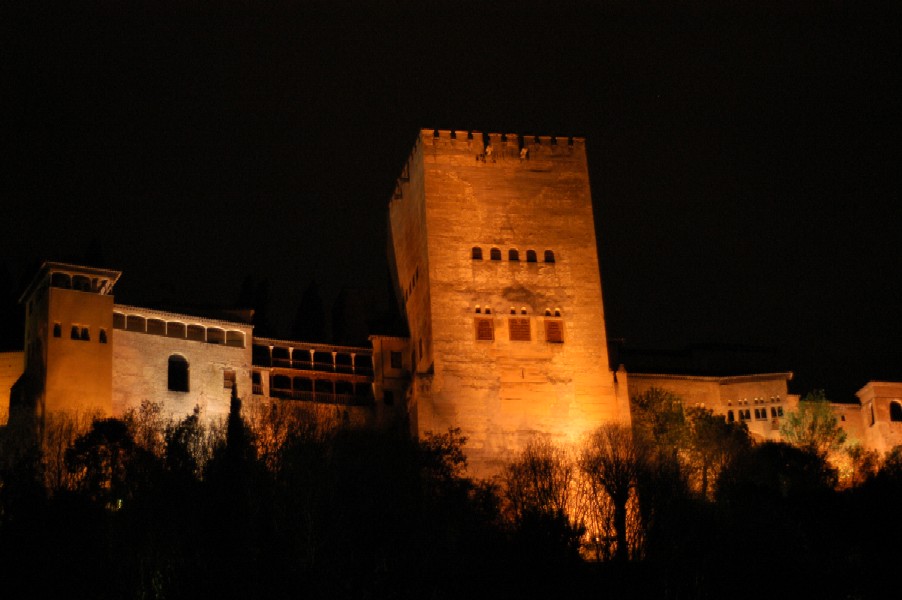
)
(501, 146)
(474, 148)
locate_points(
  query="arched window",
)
(85, 334)
(60, 280)
(135, 323)
(530, 256)
(547, 312)
(178, 373)
(730, 417)
(477, 253)
(215, 336)
(549, 256)
(895, 411)
(513, 254)
(156, 326)
(75, 334)
(81, 283)
(495, 254)
(101, 337)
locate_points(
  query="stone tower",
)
(68, 341)
(493, 245)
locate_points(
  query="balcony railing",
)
(321, 397)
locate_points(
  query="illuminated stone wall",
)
(871, 421)
(78, 370)
(141, 362)
(761, 401)
(455, 195)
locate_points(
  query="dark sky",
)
(745, 166)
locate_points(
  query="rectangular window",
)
(57, 330)
(554, 331)
(228, 379)
(519, 330)
(395, 360)
(485, 330)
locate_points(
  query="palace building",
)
(492, 251)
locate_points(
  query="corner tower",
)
(68, 340)
(493, 245)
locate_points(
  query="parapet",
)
(500, 146)
(77, 277)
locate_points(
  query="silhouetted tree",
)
(538, 488)
(255, 294)
(310, 318)
(106, 464)
(814, 427)
(710, 444)
(613, 462)
(659, 422)
(862, 465)
(12, 314)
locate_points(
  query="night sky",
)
(744, 166)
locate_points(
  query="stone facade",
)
(217, 354)
(86, 354)
(875, 421)
(759, 401)
(495, 263)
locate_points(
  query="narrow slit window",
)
(57, 330)
(101, 337)
(76, 333)
(85, 334)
